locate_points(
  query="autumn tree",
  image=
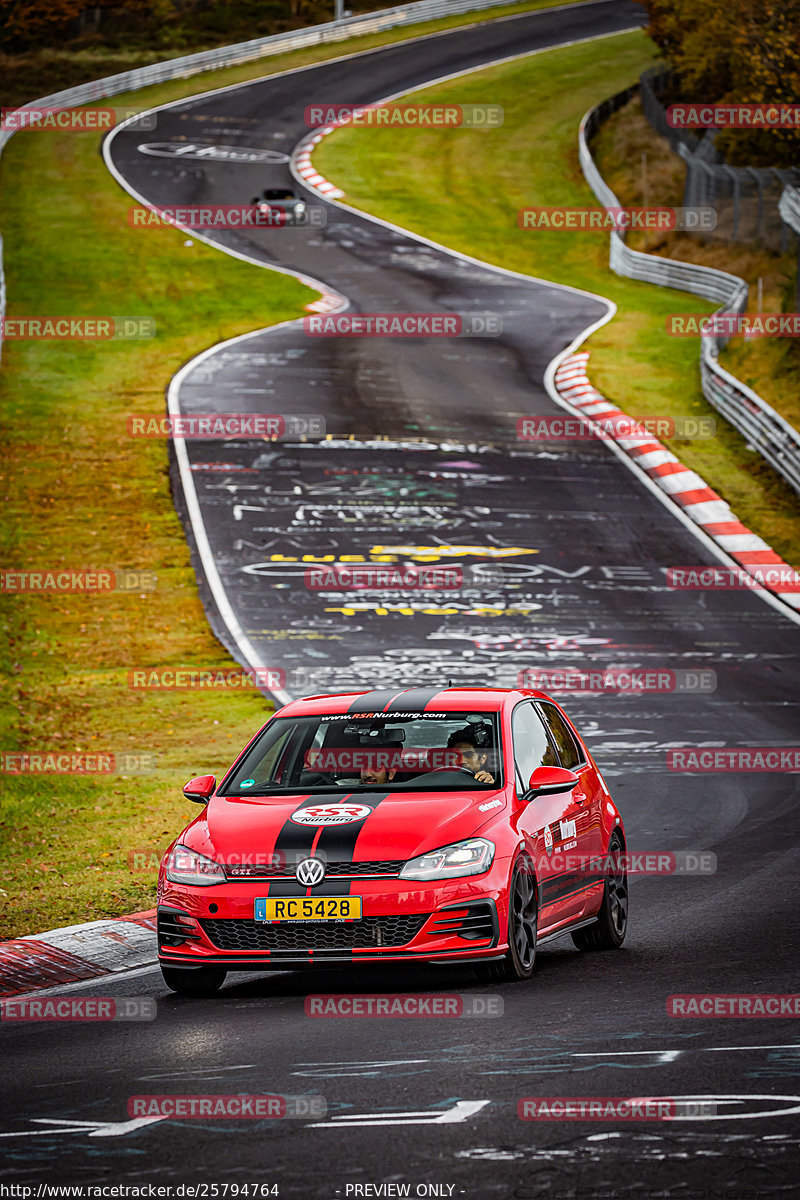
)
(739, 51)
(29, 20)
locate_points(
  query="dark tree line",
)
(33, 24)
(735, 51)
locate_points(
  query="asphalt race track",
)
(563, 551)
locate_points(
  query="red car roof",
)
(397, 700)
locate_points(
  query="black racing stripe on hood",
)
(374, 701)
(294, 841)
(414, 700)
(338, 842)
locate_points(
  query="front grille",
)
(337, 870)
(473, 922)
(367, 933)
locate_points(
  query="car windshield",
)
(452, 751)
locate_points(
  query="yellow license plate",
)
(308, 908)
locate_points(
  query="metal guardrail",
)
(765, 429)
(789, 207)
(746, 198)
(240, 52)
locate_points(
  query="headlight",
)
(187, 866)
(299, 209)
(462, 858)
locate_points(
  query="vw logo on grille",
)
(310, 872)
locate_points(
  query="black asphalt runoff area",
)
(563, 551)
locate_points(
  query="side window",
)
(531, 747)
(569, 751)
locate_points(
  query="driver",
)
(473, 758)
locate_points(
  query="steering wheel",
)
(466, 770)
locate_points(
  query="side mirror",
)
(200, 789)
(549, 781)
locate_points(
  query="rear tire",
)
(608, 933)
(519, 960)
(194, 981)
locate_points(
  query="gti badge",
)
(548, 839)
(310, 872)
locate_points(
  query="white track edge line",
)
(213, 578)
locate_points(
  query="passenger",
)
(380, 776)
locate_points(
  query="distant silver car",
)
(280, 206)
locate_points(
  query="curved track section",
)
(563, 549)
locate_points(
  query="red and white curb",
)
(689, 491)
(308, 172)
(312, 178)
(301, 159)
(77, 952)
(326, 303)
(315, 182)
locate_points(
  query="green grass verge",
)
(771, 366)
(78, 493)
(464, 188)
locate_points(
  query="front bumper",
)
(455, 920)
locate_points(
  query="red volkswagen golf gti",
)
(426, 825)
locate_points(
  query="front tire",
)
(608, 933)
(194, 981)
(522, 926)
